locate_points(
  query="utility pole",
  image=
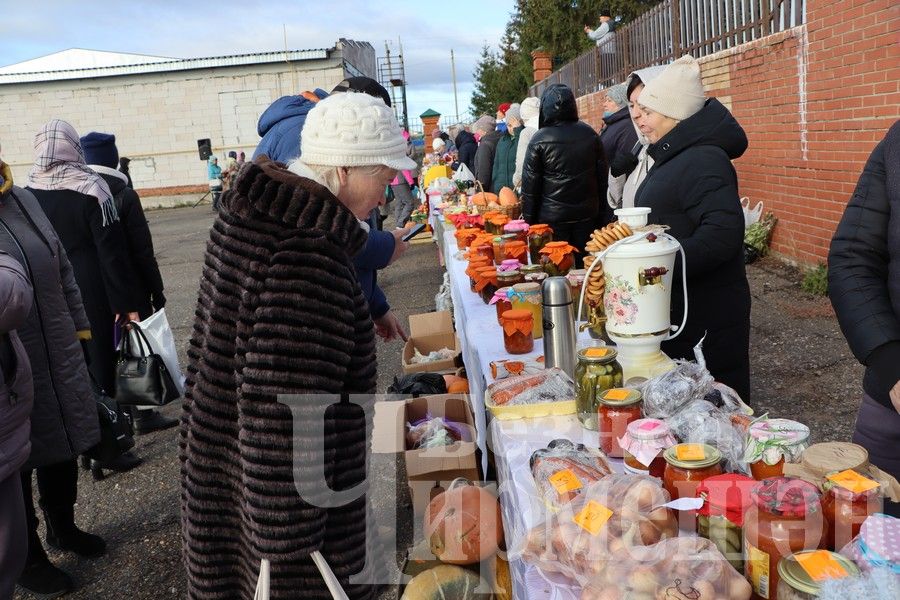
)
(453, 73)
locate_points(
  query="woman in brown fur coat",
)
(280, 312)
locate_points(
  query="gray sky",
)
(428, 30)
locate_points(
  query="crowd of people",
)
(289, 304)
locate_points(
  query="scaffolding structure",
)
(392, 75)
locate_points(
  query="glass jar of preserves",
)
(486, 283)
(475, 263)
(726, 499)
(644, 442)
(498, 243)
(509, 278)
(528, 296)
(482, 249)
(785, 516)
(510, 265)
(464, 237)
(848, 499)
(519, 228)
(771, 443)
(557, 258)
(531, 269)
(514, 249)
(795, 583)
(687, 465)
(495, 224)
(539, 235)
(575, 278)
(596, 372)
(537, 278)
(618, 408)
(517, 338)
(501, 302)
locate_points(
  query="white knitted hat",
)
(677, 92)
(353, 130)
(530, 111)
(438, 145)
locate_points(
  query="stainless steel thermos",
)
(559, 325)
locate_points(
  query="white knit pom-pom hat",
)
(353, 130)
(677, 92)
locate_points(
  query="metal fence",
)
(669, 30)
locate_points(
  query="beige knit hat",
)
(353, 130)
(677, 92)
(530, 110)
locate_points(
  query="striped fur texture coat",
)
(279, 312)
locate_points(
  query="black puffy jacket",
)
(693, 189)
(864, 269)
(466, 146)
(564, 171)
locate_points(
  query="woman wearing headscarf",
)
(64, 418)
(693, 188)
(529, 112)
(80, 206)
(281, 313)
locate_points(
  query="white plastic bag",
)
(162, 342)
(463, 173)
(263, 583)
(751, 215)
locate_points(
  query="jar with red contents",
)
(618, 407)
(687, 465)
(475, 263)
(539, 235)
(773, 442)
(726, 499)
(846, 509)
(486, 283)
(480, 248)
(785, 516)
(519, 228)
(498, 242)
(514, 250)
(643, 444)
(501, 302)
(517, 338)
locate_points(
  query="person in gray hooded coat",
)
(15, 409)
(64, 420)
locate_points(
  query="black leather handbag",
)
(142, 378)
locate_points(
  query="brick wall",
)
(814, 101)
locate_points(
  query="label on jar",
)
(757, 566)
(853, 481)
(821, 565)
(596, 352)
(565, 481)
(617, 394)
(690, 452)
(592, 517)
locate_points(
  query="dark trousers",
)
(58, 487)
(576, 233)
(13, 536)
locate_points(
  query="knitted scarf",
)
(59, 165)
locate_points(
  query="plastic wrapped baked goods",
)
(665, 394)
(679, 568)
(607, 520)
(563, 470)
(700, 422)
(550, 386)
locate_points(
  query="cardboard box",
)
(429, 332)
(427, 468)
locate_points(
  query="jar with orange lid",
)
(618, 408)
(517, 338)
(643, 445)
(528, 296)
(785, 516)
(849, 499)
(687, 465)
(498, 241)
(486, 283)
(483, 249)
(464, 237)
(557, 258)
(501, 302)
(539, 235)
(495, 224)
(514, 249)
(476, 262)
(771, 443)
(519, 228)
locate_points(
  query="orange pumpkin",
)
(484, 199)
(507, 197)
(463, 524)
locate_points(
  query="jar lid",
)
(787, 497)
(500, 295)
(728, 495)
(793, 574)
(527, 288)
(527, 269)
(540, 228)
(508, 273)
(863, 488)
(536, 277)
(648, 429)
(597, 354)
(499, 219)
(576, 276)
(516, 225)
(826, 457)
(711, 456)
(517, 314)
(511, 263)
(619, 397)
(783, 430)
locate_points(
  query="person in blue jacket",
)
(281, 128)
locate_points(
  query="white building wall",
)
(158, 118)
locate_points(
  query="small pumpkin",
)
(507, 197)
(484, 199)
(444, 581)
(463, 524)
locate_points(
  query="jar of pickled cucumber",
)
(597, 371)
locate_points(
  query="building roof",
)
(77, 63)
(429, 113)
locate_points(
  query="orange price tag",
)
(617, 394)
(565, 481)
(689, 452)
(593, 517)
(820, 565)
(853, 481)
(596, 352)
